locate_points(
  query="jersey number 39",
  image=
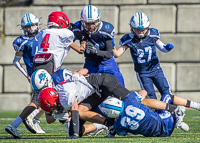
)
(134, 115)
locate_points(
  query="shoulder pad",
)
(18, 43)
(154, 33)
(126, 38)
(77, 25)
(107, 29)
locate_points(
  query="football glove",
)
(75, 77)
(61, 116)
(169, 47)
(91, 48)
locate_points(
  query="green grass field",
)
(56, 132)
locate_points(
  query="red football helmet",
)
(59, 19)
(48, 99)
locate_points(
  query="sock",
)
(98, 126)
(192, 104)
(35, 112)
(170, 107)
(17, 121)
(74, 123)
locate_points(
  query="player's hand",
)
(91, 48)
(61, 116)
(29, 78)
(75, 77)
(169, 47)
(70, 26)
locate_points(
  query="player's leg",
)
(176, 100)
(161, 82)
(110, 66)
(179, 112)
(146, 83)
(111, 87)
(12, 128)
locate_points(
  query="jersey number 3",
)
(45, 43)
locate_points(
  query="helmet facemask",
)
(28, 20)
(139, 21)
(139, 36)
(90, 30)
(90, 14)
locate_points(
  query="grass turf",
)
(56, 132)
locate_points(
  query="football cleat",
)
(111, 132)
(97, 131)
(28, 122)
(37, 127)
(179, 114)
(11, 129)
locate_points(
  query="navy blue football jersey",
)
(106, 32)
(137, 118)
(29, 46)
(143, 51)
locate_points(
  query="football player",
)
(54, 43)
(97, 37)
(49, 56)
(142, 42)
(134, 117)
(26, 46)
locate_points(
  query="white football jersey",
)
(55, 41)
(69, 90)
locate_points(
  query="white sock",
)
(17, 121)
(35, 112)
(194, 105)
(98, 126)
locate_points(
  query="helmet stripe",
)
(140, 18)
(28, 17)
(89, 11)
(111, 107)
(32, 81)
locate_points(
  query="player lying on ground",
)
(134, 117)
(71, 94)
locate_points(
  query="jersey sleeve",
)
(125, 40)
(108, 30)
(76, 29)
(154, 33)
(68, 38)
(18, 44)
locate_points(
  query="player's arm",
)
(118, 52)
(62, 117)
(49, 118)
(78, 49)
(83, 71)
(162, 47)
(16, 62)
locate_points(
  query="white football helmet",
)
(139, 21)
(40, 79)
(112, 107)
(90, 14)
(27, 20)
